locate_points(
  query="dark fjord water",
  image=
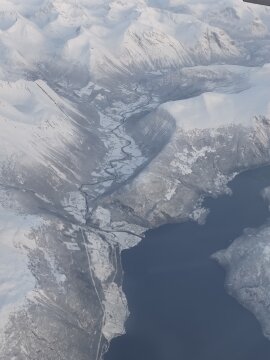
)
(179, 307)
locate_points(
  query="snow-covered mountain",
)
(120, 37)
(115, 116)
(214, 135)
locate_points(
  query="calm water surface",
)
(176, 296)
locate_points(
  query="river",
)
(176, 296)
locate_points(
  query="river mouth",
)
(176, 296)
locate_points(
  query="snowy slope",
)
(34, 127)
(215, 110)
(215, 134)
(30, 119)
(121, 37)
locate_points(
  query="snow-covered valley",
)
(116, 117)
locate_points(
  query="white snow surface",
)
(113, 35)
(33, 126)
(215, 110)
(16, 280)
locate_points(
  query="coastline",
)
(208, 202)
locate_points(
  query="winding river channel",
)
(176, 296)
